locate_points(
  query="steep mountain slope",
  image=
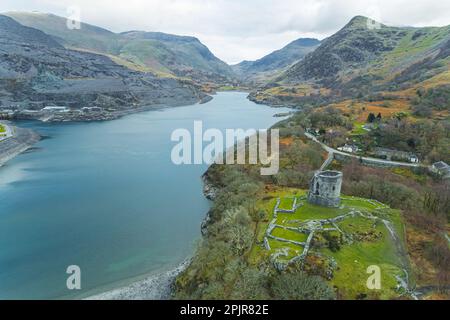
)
(160, 53)
(18, 33)
(359, 61)
(36, 71)
(276, 61)
(182, 55)
(358, 52)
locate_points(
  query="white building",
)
(413, 159)
(56, 109)
(349, 148)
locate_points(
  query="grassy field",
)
(371, 245)
(2, 129)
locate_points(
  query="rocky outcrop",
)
(209, 189)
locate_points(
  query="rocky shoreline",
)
(209, 189)
(153, 287)
(157, 286)
(210, 193)
(21, 141)
(96, 113)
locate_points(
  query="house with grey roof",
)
(441, 168)
(395, 155)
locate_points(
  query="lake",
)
(106, 196)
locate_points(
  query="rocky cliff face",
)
(36, 71)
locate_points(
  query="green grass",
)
(288, 234)
(358, 129)
(293, 250)
(286, 203)
(408, 48)
(228, 88)
(353, 262)
(372, 244)
(2, 129)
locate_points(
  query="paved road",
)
(367, 159)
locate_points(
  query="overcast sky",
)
(237, 30)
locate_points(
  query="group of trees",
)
(222, 267)
(330, 122)
(426, 137)
(297, 162)
(328, 118)
(380, 184)
(437, 98)
(219, 262)
(371, 118)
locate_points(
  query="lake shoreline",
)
(155, 286)
(76, 115)
(22, 140)
(160, 286)
(141, 240)
(21, 143)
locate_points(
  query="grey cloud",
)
(242, 30)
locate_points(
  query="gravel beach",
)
(154, 287)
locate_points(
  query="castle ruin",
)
(325, 189)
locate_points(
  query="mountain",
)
(36, 71)
(277, 61)
(18, 33)
(364, 59)
(162, 54)
(357, 54)
(184, 56)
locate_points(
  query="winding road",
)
(375, 161)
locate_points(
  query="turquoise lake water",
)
(105, 196)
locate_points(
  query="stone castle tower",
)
(325, 189)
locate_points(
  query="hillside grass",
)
(408, 51)
(358, 129)
(358, 111)
(350, 277)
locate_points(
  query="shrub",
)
(300, 286)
